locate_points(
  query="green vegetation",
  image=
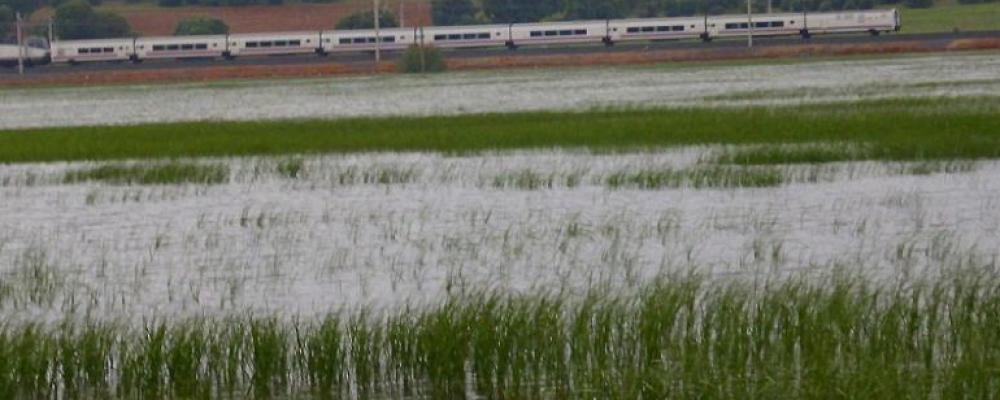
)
(421, 59)
(703, 177)
(453, 12)
(157, 174)
(947, 18)
(911, 129)
(676, 338)
(366, 20)
(201, 26)
(78, 20)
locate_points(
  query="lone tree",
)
(201, 26)
(78, 20)
(420, 59)
(366, 20)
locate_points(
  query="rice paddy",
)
(808, 249)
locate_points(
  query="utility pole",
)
(378, 39)
(749, 26)
(52, 33)
(20, 45)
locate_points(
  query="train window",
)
(344, 41)
(762, 24)
(469, 36)
(280, 43)
(484, 35)
(187, 47)
(372, 39)
(791, 22)
(83, 51)
(266, 44)
(454, 36)
(536, 33)
(389, 39)
(580, 32)
(296, 42)
(648, 28)
(95, 50)
(201, 46)
(158, 47)
(251, 44)
(440, 37)
(551, 33)
(172, 47)
(109, 49)
(632, 30)
(565, 33)
(778, 24)
(663, 29)
(677, 28)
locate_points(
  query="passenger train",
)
(511, 36)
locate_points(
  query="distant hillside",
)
(148, 19)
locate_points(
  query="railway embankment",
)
(581, 57)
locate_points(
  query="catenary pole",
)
(378, 39)
(749, 26)
(20, 45)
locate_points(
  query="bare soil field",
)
(221, 72)
(150, 20)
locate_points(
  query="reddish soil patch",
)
(508, 61)
(149, 20)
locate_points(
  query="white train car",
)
(872, 21)
(763, 25)
(34, 54)
(467, 36)
(78, 51)
(275, 43)
(656, 29)
(208, 46)
(570, 32)
(364, 40)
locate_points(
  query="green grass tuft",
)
(154, 174)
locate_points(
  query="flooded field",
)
(506, 91)
(307, 236)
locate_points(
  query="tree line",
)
(461, 12)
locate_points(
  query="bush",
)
(420, 59)
(366, 20)
(201, 26)
(919, 3)
(78, 20)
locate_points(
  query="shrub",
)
(366, 20)
(201, 26)
(420, 59)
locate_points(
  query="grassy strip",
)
(897, 129)
(159, 174)
(947, 18)
(677, 338)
